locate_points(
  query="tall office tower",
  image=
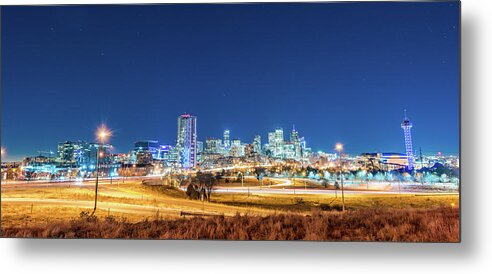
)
(199, 146)
(294, 139)
(279, 136)
(257, 144)
(81, 153)
(71, 152)
(147, 146)
(186, 143)
(199, 151)
(270, 147)
(406, 125)
(145, 151)
(213, 146)
(227, 140)
(237, 149)
(271, 139)
(302, 141)
(279, 143)
(294, 135)
(93, 149)
(249, 150)
(165, 154)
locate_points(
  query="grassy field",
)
(130, 201)
(134, 203)
(409, 225)
(304, 203)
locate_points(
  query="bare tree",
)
(205, 183)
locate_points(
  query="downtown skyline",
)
(340, 78)
(176, 142)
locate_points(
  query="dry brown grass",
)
(408, 225)
(306, 202)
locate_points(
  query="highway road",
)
(280, 186)
(102, 206)
(298, 191)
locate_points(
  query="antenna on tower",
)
(406, 125)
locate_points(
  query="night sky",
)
(337, 71)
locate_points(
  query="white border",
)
(471, 256)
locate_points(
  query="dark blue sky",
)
(338, 71)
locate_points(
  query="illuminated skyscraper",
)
(271, 139)
(213, 146)
(257, 144)
(294, 135)
(406, 125)
(279, 136)
(144, 151)
(237, 149)
(278, 151)
(81, 153)
(294, 139)
(199, 146)
(186, 143)
(71, 152)
(227, 140)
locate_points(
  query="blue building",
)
(186, 141)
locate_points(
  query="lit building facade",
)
(199, 147)
(257, 144)
(294, 149)
(168, 154)
(237, 149)
(71, 153)
(227, 140)
(82, 154)
(145, 151)
(213, 146)
(186, 141)
(384, 160)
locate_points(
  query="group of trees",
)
(435, 174)
(201, 186)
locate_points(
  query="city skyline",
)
(337, 79)
(192, 136)
(202, 139)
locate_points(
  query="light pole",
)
(2, 155)
(102, 134)
(242, 178)
(111, 174)
(292, 176)
(339, 149)
(305, 182)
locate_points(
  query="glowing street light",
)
(102, 134)
(339, 149)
